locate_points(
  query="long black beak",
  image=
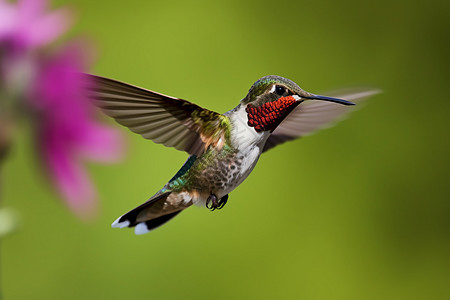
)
(330, 99)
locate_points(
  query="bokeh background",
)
(359, 211)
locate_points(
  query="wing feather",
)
(166, 120)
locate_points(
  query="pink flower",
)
(66, 131)
(53, 90)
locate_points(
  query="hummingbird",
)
(223, 148)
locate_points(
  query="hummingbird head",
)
(272, 98)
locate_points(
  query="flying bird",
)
(223, 148)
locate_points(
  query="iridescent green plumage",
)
(206, 171)
(260, 87)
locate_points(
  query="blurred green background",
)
(359, 211)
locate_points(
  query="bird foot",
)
(222, 202)
(212, 203)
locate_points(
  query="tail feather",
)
(148, 226)
(140, 218)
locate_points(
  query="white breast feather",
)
(243, 136)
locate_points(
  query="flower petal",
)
(8, 17)
(68, 176)
(101, 144)
(48, 28)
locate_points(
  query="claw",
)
(212, 203)
(212, 199)
(222, 202)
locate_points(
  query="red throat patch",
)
(269, 115)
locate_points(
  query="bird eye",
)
(280, 90)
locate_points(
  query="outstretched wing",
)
(311, 116)
(163, 119)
